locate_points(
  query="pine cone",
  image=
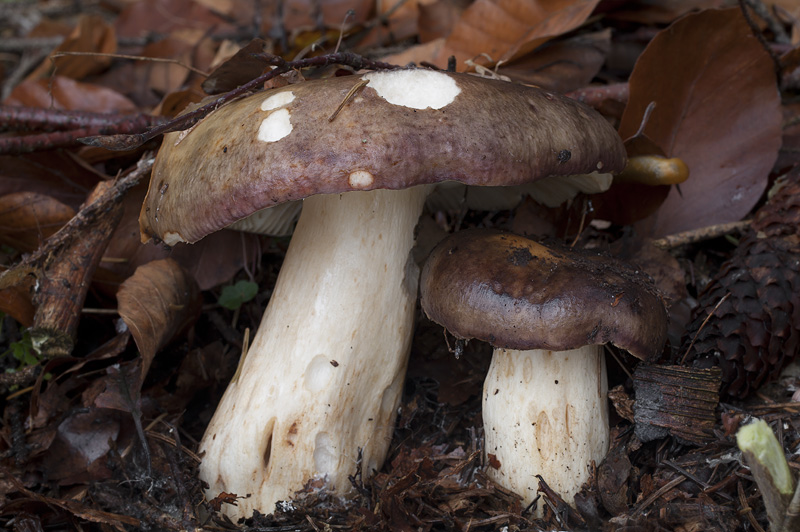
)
(755, 332)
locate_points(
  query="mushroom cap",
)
(395, 129)
(517, 294)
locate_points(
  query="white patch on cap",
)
(418, 89)
(277, 100)
(360, 179)
(276, 126)
(171, 239)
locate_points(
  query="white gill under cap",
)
(417, 89)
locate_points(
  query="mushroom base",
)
(545, 413)
(323, 376)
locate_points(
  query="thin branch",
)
(185, 121)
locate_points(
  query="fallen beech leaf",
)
(158, 301)
(27, 218)
(16, 302)
(56, 174)
(661, 11)
(211, 262)
(59, 92)
(507, 29)
(153, 17)
(244, 66)
(437, 19)
(563, 65)
(91, 34)
(82, 441)
(717, 108)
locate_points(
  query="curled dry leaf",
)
(211, 262)
(64, 93)
(507, 29)
(27, 218)
(158, 301)
(16, 302)
(563, 65)
(717, 108)
(91, 34)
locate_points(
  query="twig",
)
(700, 235)
(743, 4)
(14, 118)
(62, 287)
(688, 349)
(134, 58)
(594, 96)
(185, 121)
(658, 493)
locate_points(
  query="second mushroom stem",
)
(545, 413)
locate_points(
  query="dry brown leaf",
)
(211, 262)
(564, 65)
(717, 108)
(27, 218)
(662, 11)
(158, 301)
(148, 17)
(65, 93)
(91, 34)
(16, 302)
(57, 174)
(507, 29)
(437, 19)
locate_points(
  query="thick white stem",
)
(545, 413)
(325, 371)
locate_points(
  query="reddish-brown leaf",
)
(507, 29)
(57, 174)
(65, 93)
(16, 302)
(156, 303)
(211, 262)
(27, 218)
(91, 34)
(563, 65)
(717, 108)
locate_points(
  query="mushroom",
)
(319, 387)
(547, 313)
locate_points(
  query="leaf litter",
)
(107, 441)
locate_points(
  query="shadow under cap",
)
(517, 294)
(491, 133)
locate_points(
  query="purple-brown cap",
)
(517, 294)
(381, 130)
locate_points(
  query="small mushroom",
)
(547, 313)
(363, 151)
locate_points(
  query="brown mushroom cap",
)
(282, 145)
(517, 294)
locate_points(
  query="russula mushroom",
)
(320, 385)
(547, 314)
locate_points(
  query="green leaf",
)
(235, 296)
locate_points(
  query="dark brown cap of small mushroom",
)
(517, 294)
(388, 130)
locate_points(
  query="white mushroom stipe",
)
(345, 246)
(276, 126)
(318, 374)
(325, 455)
(417, 89)
(555, 432)
(278, 100)
(360, 179)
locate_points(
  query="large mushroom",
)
(547, 313)
(319, 388)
